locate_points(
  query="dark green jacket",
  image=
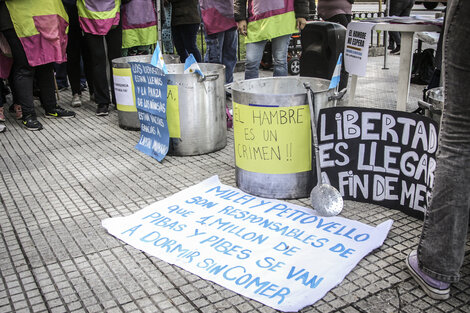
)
(185, 12)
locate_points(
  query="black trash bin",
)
(322, 42)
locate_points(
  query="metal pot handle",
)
(429, 106)
(337, 95)
(208, 78)
(228, 88)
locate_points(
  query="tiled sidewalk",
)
(57, 185)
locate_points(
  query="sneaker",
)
(31, 123)
(436, 289)
(76, 100)
(396, 50)
(102, 110)
(2, 115)
(391, 47)
(60, 113)
(2, 128)
(18, 111)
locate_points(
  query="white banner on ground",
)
(275, 252)
(356, 47)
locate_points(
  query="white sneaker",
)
(76, 100)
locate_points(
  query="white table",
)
(406, 54)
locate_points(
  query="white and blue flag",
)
(157, 59)
(191, 66)
(336, 73)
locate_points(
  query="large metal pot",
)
(285, 93)
(201, 102)
(124, 88)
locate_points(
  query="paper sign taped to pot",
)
(379, 156)
(173, 111)
(272, 140)
(356, 47)
(150, 87)
(278, 253)
(124, 89)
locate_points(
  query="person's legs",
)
(98, 63)
(280, 46)
(396, 8)
(254, 54)
(45, 83)
(114, 44)
(214, 48)
(73, 49)
(22, 76)
(188, 35)
(229, 53)
(441, 249)
(177, 36)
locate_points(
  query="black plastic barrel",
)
(322, 42)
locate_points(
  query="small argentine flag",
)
(336, 73)
(157, 59)
(190, 66)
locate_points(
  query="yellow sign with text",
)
(173, 111)
(272, 140)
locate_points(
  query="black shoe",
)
(59, 113)
(102, 110)
(396, 50)
(31, 123)
(391, 47)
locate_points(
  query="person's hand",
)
(241, 26)
(301, 22)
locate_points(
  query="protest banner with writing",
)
(275, 252)
(150, 88)
(379, 156)
(356, 47)
(264, 142)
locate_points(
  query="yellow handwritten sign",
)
(173, 111)
(272, 140)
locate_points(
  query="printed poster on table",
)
(150, 88)
(379, 156)
(356, 47)
(275, 252)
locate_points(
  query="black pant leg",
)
(114, 45)
(98, 64)
(22, 75)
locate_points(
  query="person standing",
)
(139, 26)
(273, 20)
(185, 21)
(398, 8)
(25, 29)
(221, 34)
(100, 21)
(437, 261)
(336, 11)
(78, 55)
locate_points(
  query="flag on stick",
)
(336, 73)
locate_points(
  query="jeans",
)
(399, 8)
(222, 49)
(441, 248)
(23, 75)
(254, 54)
(184, 39)
(99, 60)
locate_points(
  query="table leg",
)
(404, 71)
(352, 89)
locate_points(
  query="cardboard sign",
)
(150, 88)
(379, 156)
(356, 47)
(264, 140)
(124, 89)
(275, 252)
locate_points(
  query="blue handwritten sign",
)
(275, 252)
(150, 85)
